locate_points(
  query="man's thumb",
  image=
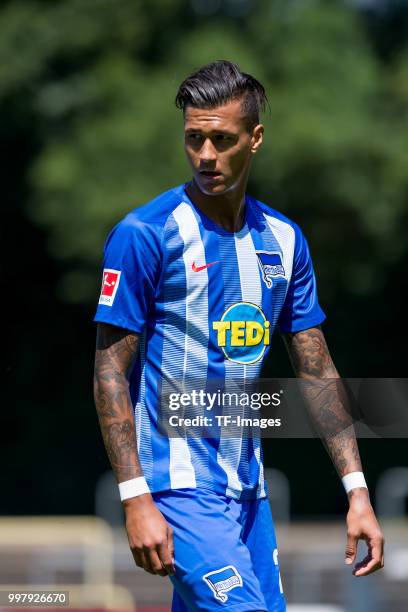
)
(351, 548)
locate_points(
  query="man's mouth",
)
(210, 173)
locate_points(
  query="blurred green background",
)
(89, 130)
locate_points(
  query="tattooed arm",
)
(325, 397)
(150, 537)
(327, 404)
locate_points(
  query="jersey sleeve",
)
(131, 272)
(301, 308)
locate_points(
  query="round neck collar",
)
(208, 222)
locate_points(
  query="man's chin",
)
(213, 189)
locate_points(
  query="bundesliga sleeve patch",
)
(110, 284)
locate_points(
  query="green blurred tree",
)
(100, 77)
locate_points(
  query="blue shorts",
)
(225, 552)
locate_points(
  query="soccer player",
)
(194, 284)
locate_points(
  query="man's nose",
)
(208, 152)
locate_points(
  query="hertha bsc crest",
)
(271, 265)
(222, 580)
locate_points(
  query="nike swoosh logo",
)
(199, 268)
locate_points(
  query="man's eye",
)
(194, 137)
(222, 137)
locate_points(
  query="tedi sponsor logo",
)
(243, 333)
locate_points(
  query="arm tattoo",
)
(325, 397)
(116, 350)
(309, 354)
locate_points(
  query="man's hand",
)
(327, 405)
(150, 537)
(362, 525)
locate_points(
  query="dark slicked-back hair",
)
(219, 83)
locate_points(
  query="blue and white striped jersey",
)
(205, 303)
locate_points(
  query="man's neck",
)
(226, 210)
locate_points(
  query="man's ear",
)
(257, 138)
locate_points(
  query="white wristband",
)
(133, 488)
(354, 480)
